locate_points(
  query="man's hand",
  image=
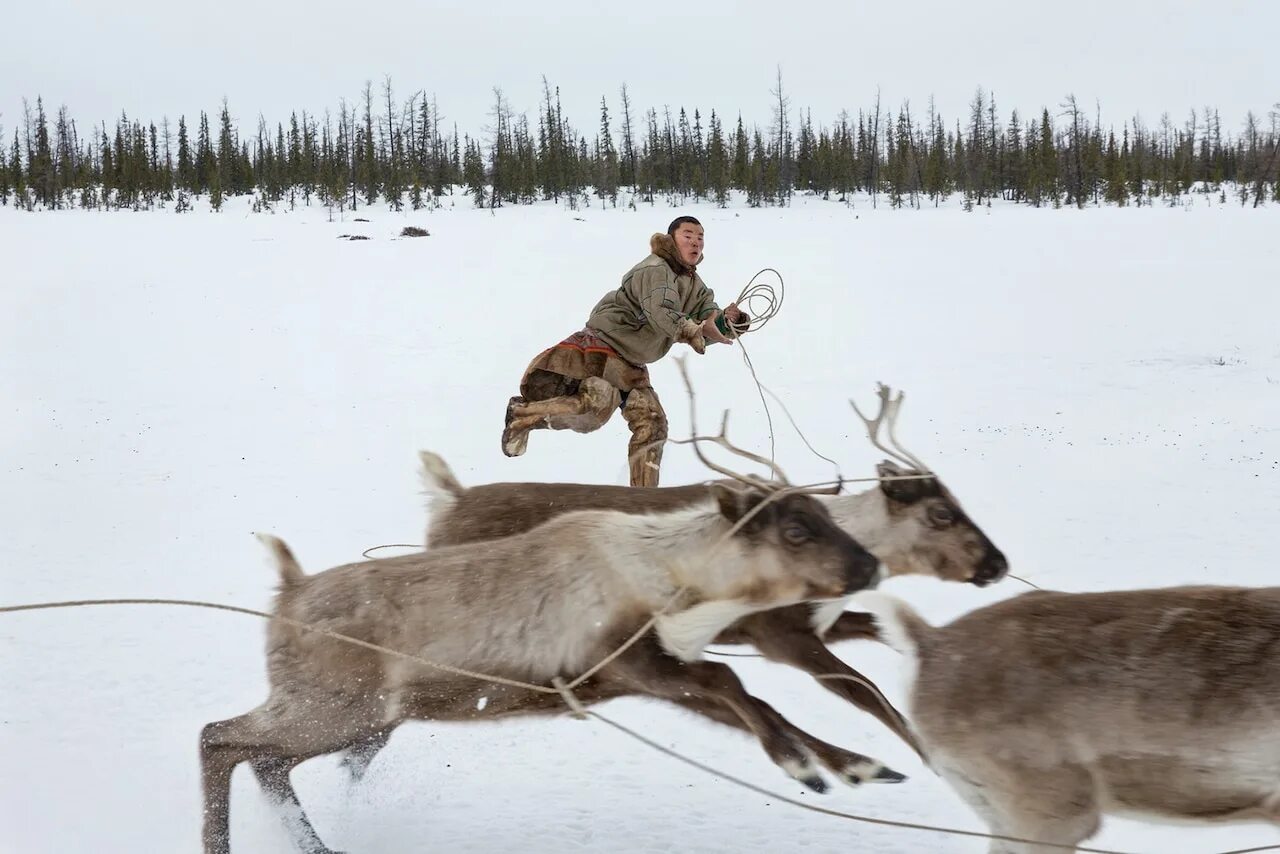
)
(738, 319)
(712, 333)
(691, 333)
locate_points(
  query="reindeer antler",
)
(723, 441)
(889, 412)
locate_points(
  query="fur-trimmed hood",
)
(664, 246)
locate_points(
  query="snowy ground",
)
(1100, 387)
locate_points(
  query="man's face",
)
(688, 239)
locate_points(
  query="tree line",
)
(400, 152)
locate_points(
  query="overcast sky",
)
(152, 58)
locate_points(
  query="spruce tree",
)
(718, 177)
(844, 169)
(654, 160)
(16, 177)
(454, 164)
(823, 171)
(935, 172)
(1048, 161)
(40, 175)
(186, 167)
(682, 179)
(1015, 161)
(1135, 164)
(895, 167)
(295, 167)
(228, 162)
(759, 185)
(607, 159)
(1117, 188)
(5, 179)
(392, 144)
(367, 158)
(697, 160)
(740, 176)
(65, 153)
(627, 166)
(473, 172)
(206, 163)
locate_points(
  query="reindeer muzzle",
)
(993, 568)
(863, 571)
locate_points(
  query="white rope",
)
(579, 711)
(762, 298)
(559, 687)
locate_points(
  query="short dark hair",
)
(679, 221)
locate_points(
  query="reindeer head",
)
(923, 529)
(789, 546)
(931, 534)
(781, 535)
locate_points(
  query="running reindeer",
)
(540, 606)
(910, 521)
(1049, 710)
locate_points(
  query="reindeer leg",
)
(852, 625)
(273, 776)
(220, 753)
(853, 768)
(646, 669)
(1057, 806)
(357, 758)
(782, 638)
(275, 738)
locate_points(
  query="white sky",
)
(151, 58)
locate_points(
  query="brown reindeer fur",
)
(1048, 710)
(551, 602)
(913, 526)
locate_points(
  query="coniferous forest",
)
(401, 152)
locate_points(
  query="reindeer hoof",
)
(815, 783)
(806, 773)
(870, 771)
(888, 775)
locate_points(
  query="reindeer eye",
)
(941, 516)
(797, 534)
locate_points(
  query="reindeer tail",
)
(438, 479)
(286, 564)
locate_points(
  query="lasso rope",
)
(885, 822)
(762, 299)
(746, 357)
(579, 711)
(558, 687)
(365, 553)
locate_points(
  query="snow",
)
(1101, 388)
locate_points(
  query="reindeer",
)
(1046, 711)
(537, 607)
(910, 521)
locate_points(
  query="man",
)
(577, 384)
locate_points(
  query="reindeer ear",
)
(736, 503)
(902, 491)
(730, 501)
